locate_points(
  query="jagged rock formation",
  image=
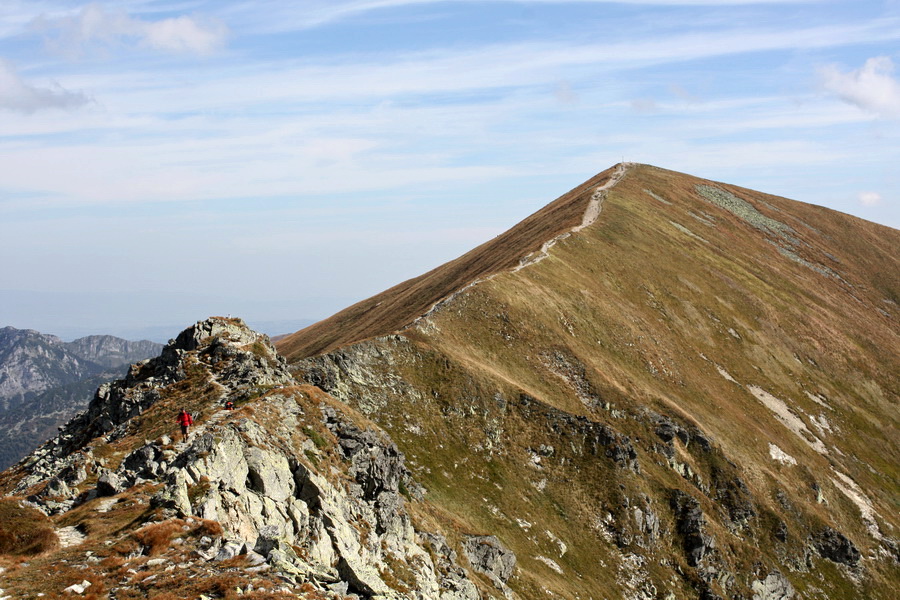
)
(32, 362)
(690, 390)
(45, 381)
(308, 495)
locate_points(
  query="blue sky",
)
(165, 160)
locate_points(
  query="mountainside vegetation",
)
(659, 387)
(736, 352)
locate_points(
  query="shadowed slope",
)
(397, 307)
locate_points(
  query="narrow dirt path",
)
(69, 536)
(591, 213)
(590, 216)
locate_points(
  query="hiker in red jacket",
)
(185, 420)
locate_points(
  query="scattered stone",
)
(109, 484)
(78, 588)
(229, 549)
(774, 587)
(488, 555)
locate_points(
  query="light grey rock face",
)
(487, 555)
(452, 579)
(352, 373)
(773, 587)
(350, 530)
(326, 507)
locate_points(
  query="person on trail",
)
(229, 405)
(185, 420)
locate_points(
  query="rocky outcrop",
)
(298, 485)
(835, 546)
(454, 583)
(305, 523)
(690, 524)
(773, 587)
(487, 555)
(234, 359)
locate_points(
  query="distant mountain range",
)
(45, 381)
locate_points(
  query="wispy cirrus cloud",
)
(872, 87)
(94, 26)
(316, 13)
(18, 95)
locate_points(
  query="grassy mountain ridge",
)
(398, 306)
(660, 387)
(690, 310)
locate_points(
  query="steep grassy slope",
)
(398, 306)
(696, 395)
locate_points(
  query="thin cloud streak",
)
(18, 95)
(439, 72)
(327, 12)
(95, 27)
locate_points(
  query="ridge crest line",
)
(591, 214)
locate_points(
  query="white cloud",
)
(186, 34)
(872, 88)
(18, 95)
(869, 198)
(95, 26)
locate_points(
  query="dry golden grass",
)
(24, 531)
(156, 537)
(398, 306)
(649, 314)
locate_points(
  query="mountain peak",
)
(404, 303)
(658, 386)
(694, 385)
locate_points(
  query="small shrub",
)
(126, 547)
(24, 531)
(158, 536)
(259, 349)
(315, 436)
(401, 487)
(195, 492)
(221, 585)
(209, 528)
(111, 563)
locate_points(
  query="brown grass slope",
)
(756, 320)
(397, 307)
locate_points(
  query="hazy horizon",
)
(164, 161)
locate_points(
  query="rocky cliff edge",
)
(291, 494)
